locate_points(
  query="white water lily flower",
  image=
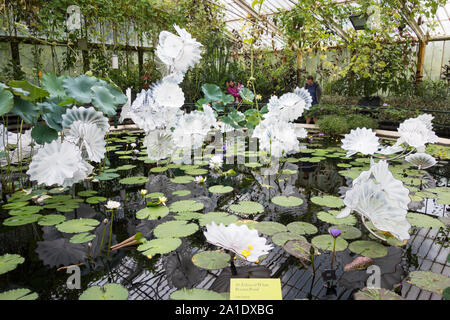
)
(58, 163)
(143, 192)
(216, 162)
(159, 144)
(421, 160)
(179, 53)
(85, 115)
(111, 205)
(304, 94)
(360, 140)
(244, 242)
(167, 94)
(199, 180)
(381, 198)
(89, 138)
(417, 132)
(125, 113)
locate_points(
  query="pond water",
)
(316, 171)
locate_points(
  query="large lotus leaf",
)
(53, 84)
(218, 218)
(376, 294)
(43, 134)
(326, 242)
(25, 110)
(347, 232)
(51, 220)
(212, 92)
(186, 205)
(34, 93)
(328, 201)
(9, 262)
(220, 189)
(119, 97)
(421, 220)
(196, 294)
(247, 95)
(281, 238)
(103, 100)
(79, 88)
(6, 101)
(18, 294)
(270, 227)
(82, 237)
(211, 260)
(20, 220)
(134, 180)
(330, 217)
(299, 248)
(430, 281)
(175, 229)
(247, 207)
(152, 213)
(287, 201)
(78, 225)
(159, 246)
(299, 227)
(110, 291)
(369, 249)
(52, 114)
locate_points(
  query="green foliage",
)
(334, 125)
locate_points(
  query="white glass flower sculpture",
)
(159, 144)
(417, 132)
(360, 140)
(167, 94)
(89, 138)
(288, 107)
(192, 129)
(125, 113)
(304, 94)
(390, 149)
(216, 162)
(85, 115)
(179, 53)
(22, 146)
(58, 163)
(379, 197)
(6, 137)
(421, 160)
(244, 242)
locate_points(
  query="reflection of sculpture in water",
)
(322, 176)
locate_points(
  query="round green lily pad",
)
(429, 281)
(369, 249)
(196, 294)
(82, 237)
(87, 193)
(196, 172)
(217, 217)
(152, 213)
(247, 207)
(18, 294)
(175, 229)
(155, 195)
(270, 227)
(182, 179)
(105, 176)
(110, 291)
(186, 205)
(9, 262)
(158, 169)
(125, 167)
(347, 232)
(421, 220)
(134, 180)
(287, 201)
(251, 224)
(94, 200)
(15, 205)
(299, 248)
(211, 260)
(181, 193)
(159, 246)
(188, 216)
(220, 189)
(376, 294)
(330, 217)
(328, 201)
(51, 220)
(77, 225)
(25, 210)
(326, 241)
(281, 238)
(20, 220)
(299, 227)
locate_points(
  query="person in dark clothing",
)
(314, 90)
(233, 90)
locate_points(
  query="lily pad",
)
(77, 225)
(281, 238)
(175, 229)
(82, 237)
(218, 218)
(105, 176)
(220, 189)
(369, 249)
(152, 213)
(159, 246)
(196, 294)
(9, 262)
(181, 193)
(51, 220)
(376, 294)
(247, 207)
(87, 193)
(270, 228)
(330, 217)
(347, 232)
(429, 281)
(298, 248)
(182, 179)
(326, 242)
(154, 195)
(211, 260)
(21, 220)
(287, 201)
(158, 169)
(94, 200)
(134, 180)
(421, 220)
(110, 291)
(125, 167)
(299, 227)
(186, 205)
(188, 216)
(18, 294)
(328, 201)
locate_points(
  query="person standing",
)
(314, 90)
(234, 91)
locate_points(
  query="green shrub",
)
(333, 125)
(360, 121)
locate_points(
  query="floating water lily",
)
(199, 180)
(112, 205)
(216, 162)
(241, 240)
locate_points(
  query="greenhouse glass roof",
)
(238, 12)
